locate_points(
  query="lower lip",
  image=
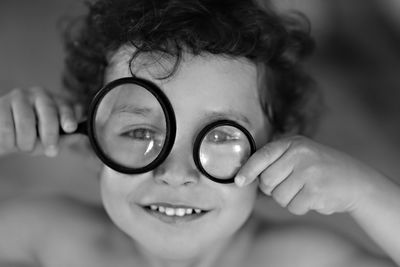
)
(174, 219)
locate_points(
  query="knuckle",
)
(265, 178)
(302, 149)
(26, 145)
(280, 197)
(49, 124)
(50, 135)
(313, 173)
(17, 93)
(26, 142)
(297, 140)
(266, 152)
(300, 145)
(66, 112)
(313, 190)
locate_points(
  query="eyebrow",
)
(213, 115)
(228, 114)
(134, 109)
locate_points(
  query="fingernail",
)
(69, 126)
(51, 151)
(240, 180)
(268, 192)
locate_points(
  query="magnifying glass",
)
(221, 148)
(132, 127)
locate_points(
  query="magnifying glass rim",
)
(169, 116)
(201, 136)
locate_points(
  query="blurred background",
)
(357, 65)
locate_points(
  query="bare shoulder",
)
(46, 211)
(307, 245)
(30, 226)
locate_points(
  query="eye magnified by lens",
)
(223, 150)
(130, 126)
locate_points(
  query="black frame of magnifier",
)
(88, 128)
(201, 136)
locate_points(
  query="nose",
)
(178, 168)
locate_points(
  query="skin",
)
(40, 230)
(302, 175)
(178, 180)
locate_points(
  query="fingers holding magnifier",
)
(67, 115)
(48, 124)
(24, 122)
(260, 161)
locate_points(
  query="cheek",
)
(242, 199)
(114, 186)
(238, 205)
(234, 207)
(115, 189)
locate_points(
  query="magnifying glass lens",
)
(223, 150)
(130, 126)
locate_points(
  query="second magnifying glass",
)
(221, 149)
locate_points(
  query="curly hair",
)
(233, 28)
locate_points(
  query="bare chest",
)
(91, 258)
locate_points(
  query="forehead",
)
(155, 67)
(202, 83)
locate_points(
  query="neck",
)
(208, 258)
(228, 252)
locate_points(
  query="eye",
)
(217, 136)
(141, 134)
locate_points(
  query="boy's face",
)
(203, 90)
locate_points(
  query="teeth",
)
(180, 212)
(170, 211)
(175, 212)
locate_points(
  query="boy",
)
(212, 63)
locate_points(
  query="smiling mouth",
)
(174, 214)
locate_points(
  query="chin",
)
(175, 243)
(179, 244)
(177, 250)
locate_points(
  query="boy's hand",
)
(30, 121)
(303, 175)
